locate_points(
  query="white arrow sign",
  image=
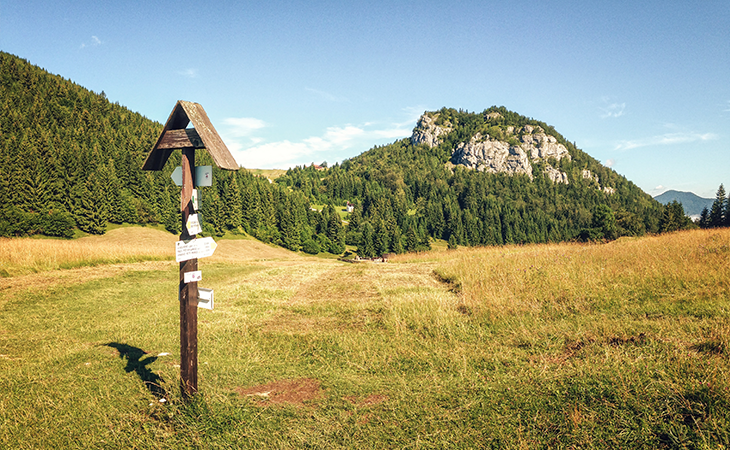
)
(194, 248)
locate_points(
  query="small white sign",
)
(190, 277)
(204, 176)
(194, 248)
(193, 225)
(177, 176)
(205, 298)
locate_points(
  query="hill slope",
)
(71, 159)
(524, 183)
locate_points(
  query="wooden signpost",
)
(176, 135)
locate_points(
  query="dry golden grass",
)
(518, 279)
(22, 256)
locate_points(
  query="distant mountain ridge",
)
(692, 203)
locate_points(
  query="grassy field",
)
(620, 345)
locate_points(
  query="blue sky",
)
(642, 86)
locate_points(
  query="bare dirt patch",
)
(296, 392)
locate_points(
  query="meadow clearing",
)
(617, 345)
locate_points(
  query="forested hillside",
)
(70, 159)
(405, 193)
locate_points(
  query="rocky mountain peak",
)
(512, 151)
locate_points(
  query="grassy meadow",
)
(618, 345)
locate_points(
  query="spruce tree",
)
(366, 246)
(719, 206)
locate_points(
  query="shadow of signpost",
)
(135, 363)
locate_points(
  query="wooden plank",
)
(179, 139)
(212, 141)
(157, 158)
(172, 138)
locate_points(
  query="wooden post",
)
(174, 136)
(188, 291)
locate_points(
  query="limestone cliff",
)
(512, 152)
(427, 132)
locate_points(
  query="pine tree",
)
(719, 206)
(334, 231)
(232, 206)
(90, 215)
(366, 246)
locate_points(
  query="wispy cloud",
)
(612, 110)
(666, 139)
(327, 96)
(243, 126)
(610, 162)
(95, 41)
(189, 73)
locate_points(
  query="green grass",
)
(616, 346)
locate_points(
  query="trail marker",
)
(193, 224)
(194, 200)
(176, 135)
(189, 277)
(194, 248)
(204, 176)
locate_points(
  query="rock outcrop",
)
(489, 154)
(427, 132)
(588, 175)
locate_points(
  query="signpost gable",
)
(175, 135)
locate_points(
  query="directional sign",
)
(194, 248)
(193, 224)
(190, 277)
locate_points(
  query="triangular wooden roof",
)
(175, 136)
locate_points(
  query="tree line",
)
(70, 159)
(719, 214)
(406, 195)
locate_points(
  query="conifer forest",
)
(71, 160)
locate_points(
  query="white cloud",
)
(666, 139)
(327, 96)
(243, 137)
(95, 41)
(613, 110)
(335, 144)
(658, 190)
(189, 73)
(610, 162)
(243, 126)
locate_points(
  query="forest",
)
(70, 162)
